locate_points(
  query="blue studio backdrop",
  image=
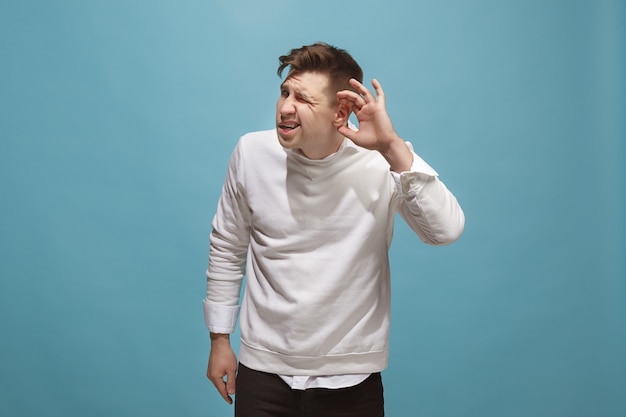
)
(117, 119)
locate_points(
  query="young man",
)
(307, 211)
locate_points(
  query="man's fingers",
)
(230, 383)
(380, 94)
(350, 96)
(221, 388)
(366, 94)
(364, 91)
(346, 131)
(222, 366)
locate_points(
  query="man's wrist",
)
(220, 338)
(398, 155)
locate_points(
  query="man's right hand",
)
(222, 363)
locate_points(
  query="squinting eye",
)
(284, 93)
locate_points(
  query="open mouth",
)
(288, 126)
(287, 129)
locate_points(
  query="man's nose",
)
(287, 107)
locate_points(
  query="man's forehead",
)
(306, 81)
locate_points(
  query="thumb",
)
(230, 382)
(346, 131)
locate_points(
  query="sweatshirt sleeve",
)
(229, 241)
(426, 205)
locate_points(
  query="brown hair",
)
(326, 59)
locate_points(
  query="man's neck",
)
(322, 152)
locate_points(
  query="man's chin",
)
(286, 142)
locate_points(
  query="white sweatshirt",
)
(312, 237)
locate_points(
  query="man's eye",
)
(284, 93)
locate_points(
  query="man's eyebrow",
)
(285, 83)
(305, 95)
(297, 90)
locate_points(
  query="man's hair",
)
(325, 59)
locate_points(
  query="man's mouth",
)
(288, 125)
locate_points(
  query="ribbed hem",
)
(276, 363)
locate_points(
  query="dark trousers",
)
(260, 394)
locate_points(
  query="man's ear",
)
(344, 109)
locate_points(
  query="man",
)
(307, 210)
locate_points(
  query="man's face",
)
(306, 114)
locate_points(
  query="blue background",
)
(117, 119)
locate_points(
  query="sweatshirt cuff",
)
(408, 181)
(219, 318)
